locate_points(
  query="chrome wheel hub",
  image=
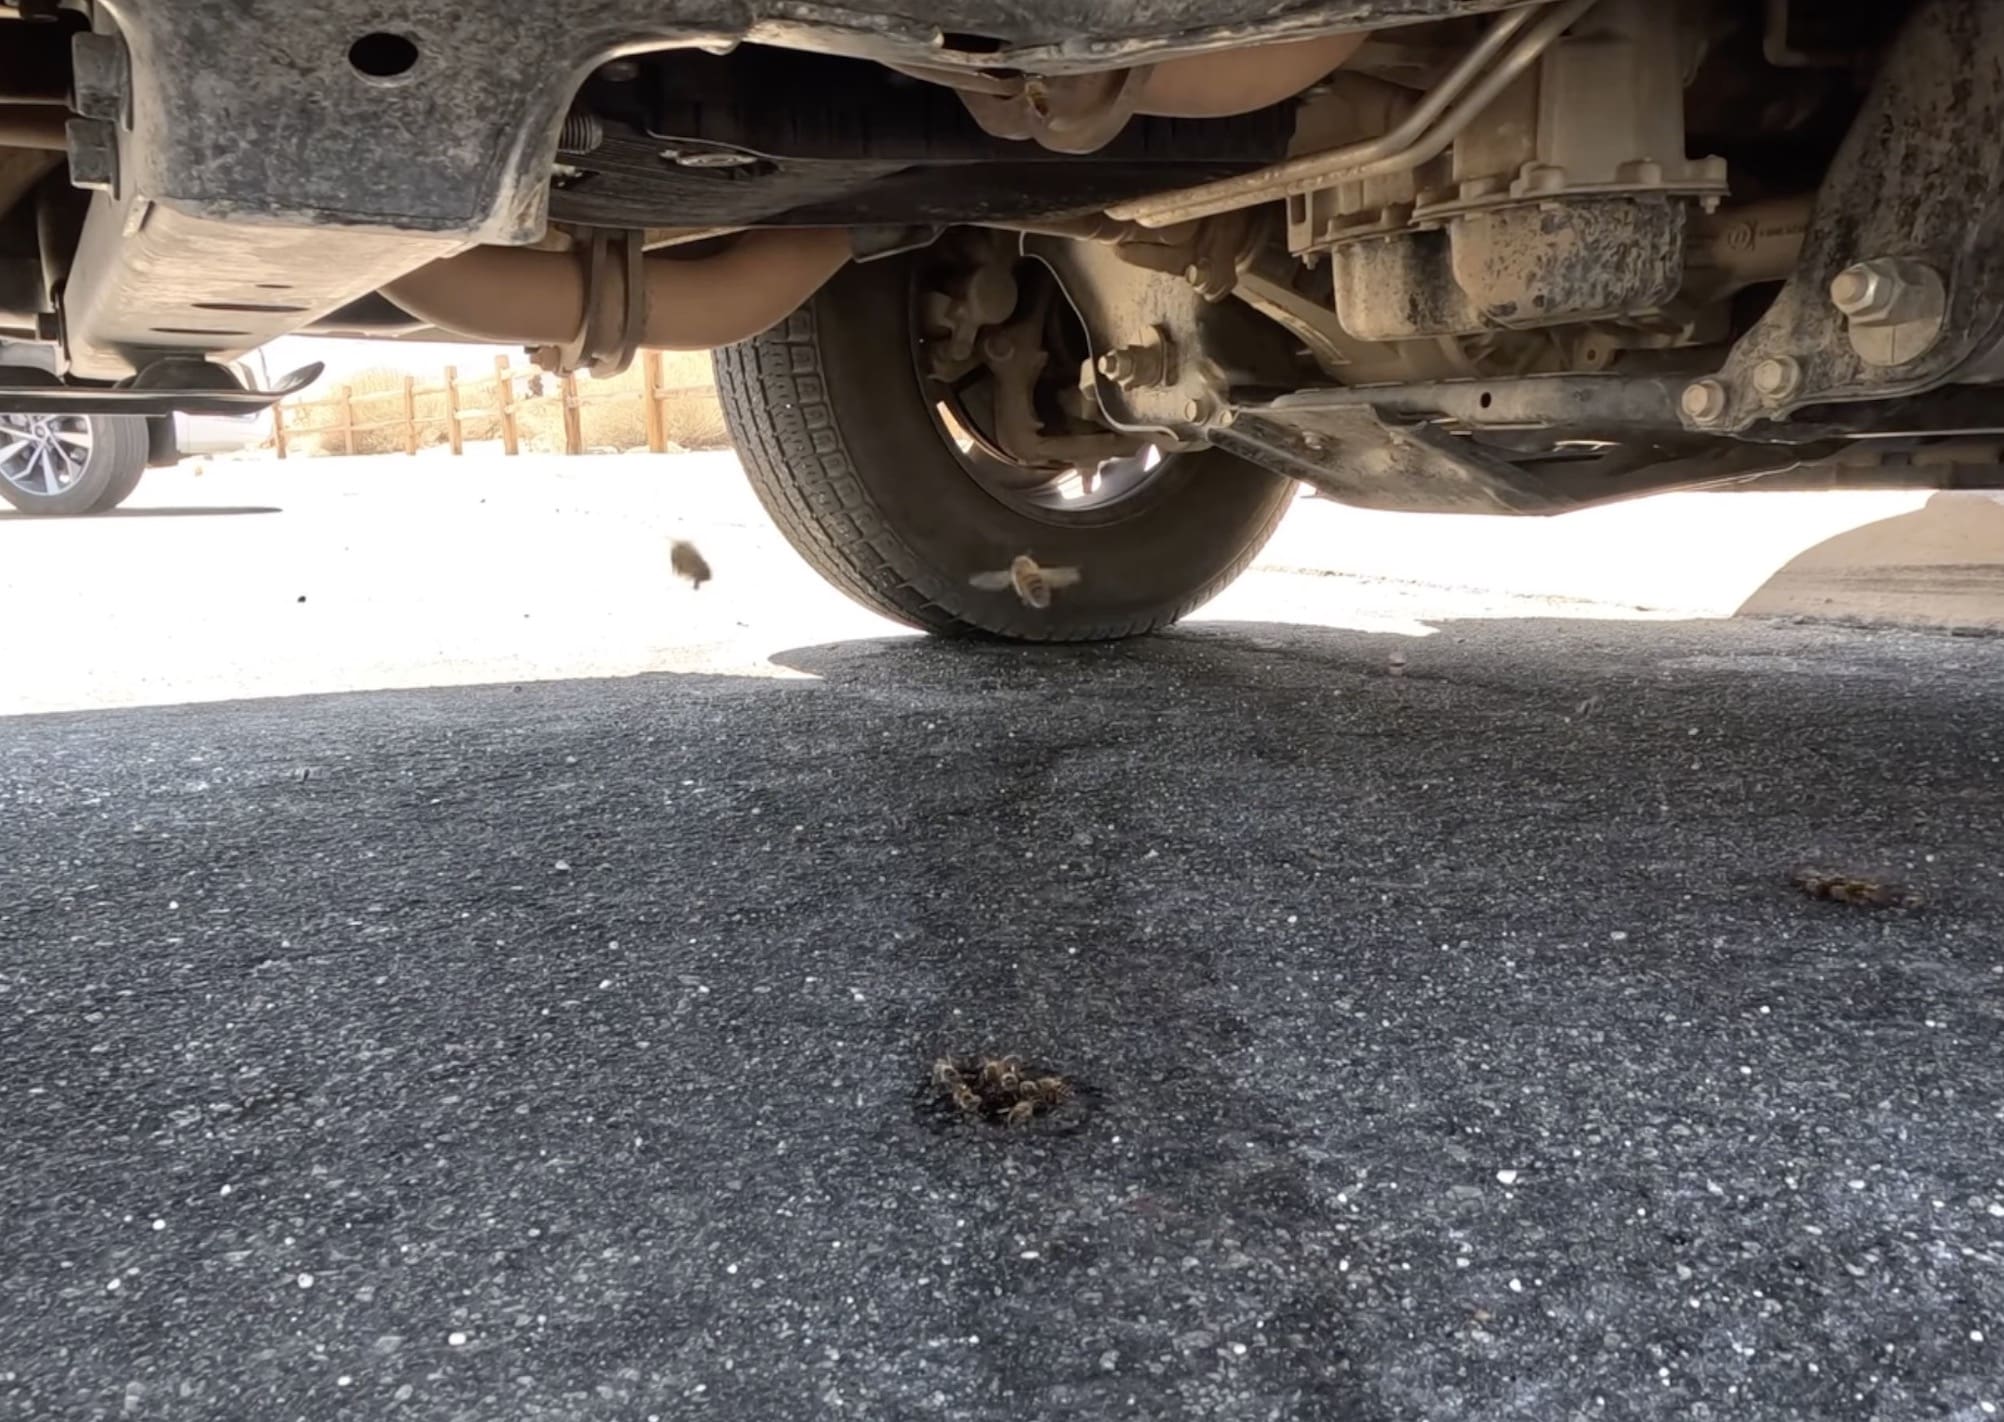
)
(43, 454)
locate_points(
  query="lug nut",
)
(1777, 378)
(1704, 402)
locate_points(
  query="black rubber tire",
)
(117, 459)
(830, 420)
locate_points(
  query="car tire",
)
(70, 464)
(831, 418)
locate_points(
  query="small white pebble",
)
(1857, 1184)
(562, 866)
(1516, 1286)
(305, 1281)
(1988, 1407)
(455, 1340)
(1239, 1350)
(159, 1224)
(1976, 1335)
(1618, 936)
(112, 1287)
(224, 1191)
(1508, 1177)
(1997, 1209)
(730, 1268)
(173, 903)
(1028, 1254)
(343, 1380)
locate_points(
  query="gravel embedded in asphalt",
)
(1452, 1043)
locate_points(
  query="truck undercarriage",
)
(1463, 255)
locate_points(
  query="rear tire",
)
(836, 430)
(60, 465)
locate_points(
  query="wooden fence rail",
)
(503, 407)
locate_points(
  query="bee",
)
(1050, 1090)
(1857, 889)
(688, 563)
(995, 1069)
(1020, 1113)
(965, 1099)
(945, 1073)
(1032, 582)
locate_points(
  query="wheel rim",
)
(44, 455)
(1057, 491)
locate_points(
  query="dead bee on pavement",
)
(1861, 890)
(1050, 1090)
(965, 1099)
(945, 1073)
(1020, 1113)
(1032, 582)
(688, 563)
(994, 1069)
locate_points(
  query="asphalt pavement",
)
(1448, 1039)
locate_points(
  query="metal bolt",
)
(1857, 290)
(1131, 367)
(996, 347)
(1704, 401)
(1777, 378)
(1895, 308)
(1196, 407)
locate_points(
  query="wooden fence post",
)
(347, 397)
(573, 418)
(504, 403)
(410, 414)
(452, 408)
(278, 429)
(650, 394)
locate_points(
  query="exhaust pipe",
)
(521, 296)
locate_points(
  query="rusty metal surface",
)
(1920, 177)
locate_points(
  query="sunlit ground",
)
(247, 577)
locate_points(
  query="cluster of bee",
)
(1859, 889)
(998, 1089)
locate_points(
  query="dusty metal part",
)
(1736, 247)
(1364, 455)
(205, 399)
(1893, 310)
(92, 146)
(1151, 361)
(1512, 269)
(1777, 378)
(1489, 68)
(1266, 284)
(514, 296)
(37, 126)
(1703, 402)
(1238, 81)
(432, 125)
(1083, 112)
(1066, 113)
(1016, 356)
(977, 296)
(1122, 304)
(1919, 178)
